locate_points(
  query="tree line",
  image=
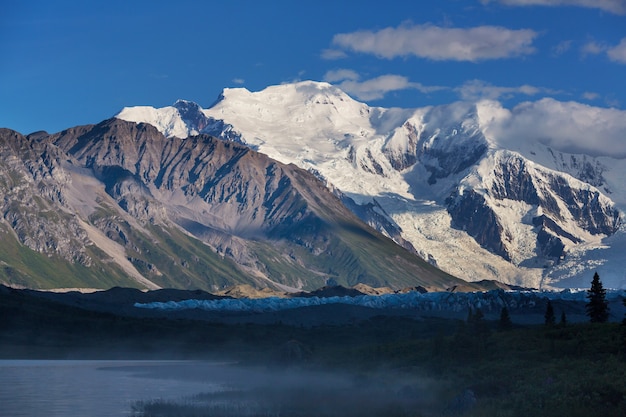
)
(596, 308)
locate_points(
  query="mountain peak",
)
(308, 92)
(186, 105)
(423, 174)
(183, 119)
(198, 212)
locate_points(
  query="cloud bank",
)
(611, 6)
(374, 88)
(618, 53)
(566, 126)
(439, 43)
(475, 90)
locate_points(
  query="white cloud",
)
(593, 48)
(374, 88)
(588, 95)
(566, 126)
(439, 43)
(562, 47)
(332, 54)
(611, 6)
(618, 53)
(341, 74)
(475, 90)
(615, 54)
(239, 81)
(613, 102)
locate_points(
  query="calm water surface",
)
(98, 388)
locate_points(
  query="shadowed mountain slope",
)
(118, 203)
(448, 182)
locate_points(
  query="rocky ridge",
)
(436, 179)
(118, 203)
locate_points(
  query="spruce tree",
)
(549, 316)
(505, 319)
(470, 316)
(624, 328)
(478, 316)
(476, 321)
(597, 307)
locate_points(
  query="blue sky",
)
(67, 63)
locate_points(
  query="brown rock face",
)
(189, 213)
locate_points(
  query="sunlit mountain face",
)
(473, 188)
(120, 204)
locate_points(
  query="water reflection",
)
(298, 393)
(97, 388)
(189, 389)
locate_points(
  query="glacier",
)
(409, 172)
(455, 302)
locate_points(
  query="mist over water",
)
(188, 388)
(286, 392)
(95, 388)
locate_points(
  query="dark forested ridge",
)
(562, 369)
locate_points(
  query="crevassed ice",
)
(436, 301)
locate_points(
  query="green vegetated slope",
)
(119, 204)
(350, 257)
(576, 371)
(337, 246)
(21, 266)
(172, 259)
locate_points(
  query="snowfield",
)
(408, 162)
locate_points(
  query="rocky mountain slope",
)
(120, 204)
(437, 180)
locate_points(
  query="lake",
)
(97, 388)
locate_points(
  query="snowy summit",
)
(462, 183)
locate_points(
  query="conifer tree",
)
(478, 316)
(597, 307)
(505, 319)
(563, 321)
(476, 321)
(624, 327)
(549, 316)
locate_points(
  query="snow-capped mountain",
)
(439, 179)
(119, 204)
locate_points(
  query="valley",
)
(398, 363)
(313, 209)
